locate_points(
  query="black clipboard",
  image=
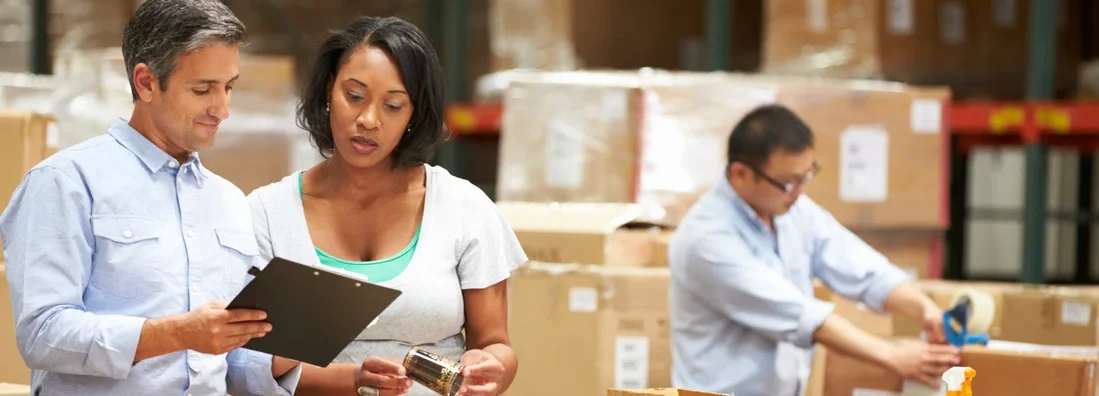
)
(314, 312)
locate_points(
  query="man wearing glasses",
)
(743, 316)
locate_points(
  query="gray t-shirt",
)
(465, 243)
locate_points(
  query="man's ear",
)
(737, 170)
(145, 82)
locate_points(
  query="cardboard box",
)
(575, 233)
(850, 38)
(1050, 316)
(659, 140)
(12, 368)
(918, 252)
(977, 47)
(659, 392)
(575, 34)
(999, 372)
(584, 329)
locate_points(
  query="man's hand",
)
(214, 330)
(916, 360)
(933, 325)
(482, 373)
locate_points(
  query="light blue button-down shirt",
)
(112, 231)
(742, 308)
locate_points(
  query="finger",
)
(478, 390)
(380, 381)
(946, 359)
(243, 328)
(930, 381)
(488, 369)
(383, 366)
(246, 315)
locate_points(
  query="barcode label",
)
(631, 363)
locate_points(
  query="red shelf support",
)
(1072, 124)
(474, 118)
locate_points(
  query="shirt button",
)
(190, 234)
(172, 164)
(127, 234)
(194, 288)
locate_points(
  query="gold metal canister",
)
(441, 375)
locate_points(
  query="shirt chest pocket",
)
(128, 256)
(237, 251)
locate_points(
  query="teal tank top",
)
(376, 271)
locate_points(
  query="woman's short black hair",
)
(420, 72)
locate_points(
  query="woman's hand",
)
(482, 373)
(381, 377)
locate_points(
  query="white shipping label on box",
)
(1075, 313)
(902, 19)
(564, 166)
(583, 299)
(631, 362)
(864, 164)
(1003, 13)
(818, 15)
(926, 116)
(952, 27)
(53, 135)
(615, 104)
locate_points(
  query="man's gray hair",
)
(163, 30)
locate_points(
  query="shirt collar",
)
(150, 155)
(726, 192)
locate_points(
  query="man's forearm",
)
(907, 300)
(158, 337)
(838, 334)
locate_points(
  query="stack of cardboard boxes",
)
(598, 167)
(979, 48)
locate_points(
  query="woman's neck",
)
(340, 180)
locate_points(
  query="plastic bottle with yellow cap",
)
(959, 381)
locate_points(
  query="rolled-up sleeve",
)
(730, 280)
(848, 266)
(48, 247)
(250, 374)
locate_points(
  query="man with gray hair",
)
(122, 250)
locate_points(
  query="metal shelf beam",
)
(1042, 51)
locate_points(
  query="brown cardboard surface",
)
(23, 138)
(1050, 316)
(12, 368)
(577, 233)
(998, 373)
(658, 139)
(918, 252)
(580, 322)
(659, 392)
(251, 159)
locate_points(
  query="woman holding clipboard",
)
(373, 106)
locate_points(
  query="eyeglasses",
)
(791, 186)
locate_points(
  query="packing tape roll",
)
(982, 309)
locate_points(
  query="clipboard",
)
(314, 312)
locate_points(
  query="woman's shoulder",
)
(275, 194)
(453, 188)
